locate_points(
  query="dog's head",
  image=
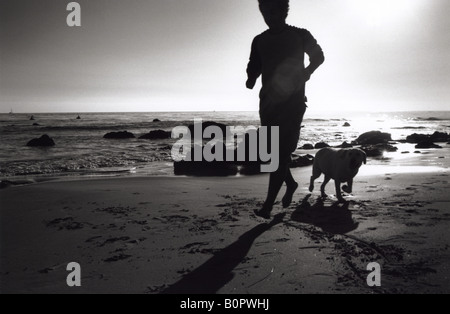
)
(354, 156)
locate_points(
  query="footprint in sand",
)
(184, 271)
(194, 244)
(202, 225)
(51, 268)
(176, 218)
(282, 240)
(113, 240)
(138, 222)
(373, 188)
(117, 210)
(156, 289)
(67, 223)
(117, 258)
(196, 247)
(90, 240)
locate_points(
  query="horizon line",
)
(212, 111)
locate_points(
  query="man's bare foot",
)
(287, 198)
(264, 212)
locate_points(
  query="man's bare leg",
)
(292, 186)
(276, 180)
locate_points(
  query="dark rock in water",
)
(307, 146)
(119, 135)
(5, 184)
(250, 168)
(405, 152)
(301, 161)
(156, 135)
(43, 141)
(387, 147)
(203, 168)
(427, 144)
(36, 124)
(378, 149)
(439, 137)
(345, 145)
(346, 124)
(250, 161)
(78, 118)
(373, 137)
(372, 151)
(321, 145)
(417, 152)
(207, 124)
(191, 167)
(249, 158)
(156, 120)
(416, 138)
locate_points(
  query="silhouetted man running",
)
(278, 55)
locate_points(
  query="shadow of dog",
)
(335, 218)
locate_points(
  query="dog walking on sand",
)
(340, 165)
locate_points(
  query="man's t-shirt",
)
(280, 59)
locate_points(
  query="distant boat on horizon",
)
(11, 112)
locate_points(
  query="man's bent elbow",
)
(322, 58)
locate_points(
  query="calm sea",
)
(81, 150)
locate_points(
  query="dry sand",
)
(199, 235)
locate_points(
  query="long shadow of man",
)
(218, 271)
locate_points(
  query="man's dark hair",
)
(283, 5)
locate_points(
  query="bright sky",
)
(164, 55)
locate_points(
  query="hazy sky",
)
(163, 55)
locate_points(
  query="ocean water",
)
(81, 150)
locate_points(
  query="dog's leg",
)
(338, 191)
(316, 173)
(322, 187)
(348, 188)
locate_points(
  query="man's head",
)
(274, 12)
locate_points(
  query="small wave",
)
(320, 120)
(88, 128)
(409, 128)
(430, 119)
(116, 127)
